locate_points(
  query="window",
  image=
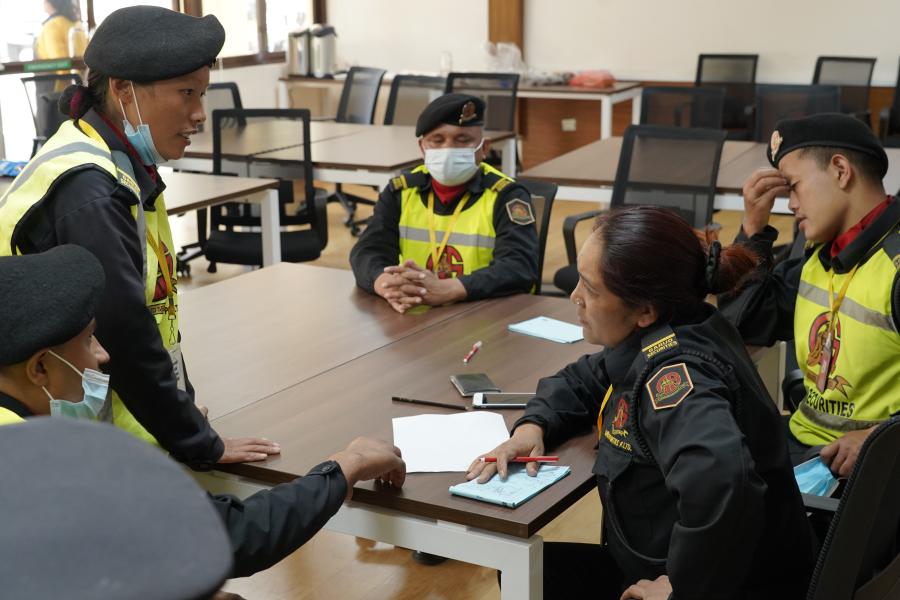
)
(238, 17)
(284, 16)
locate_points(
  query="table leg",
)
(636, 108)
(271, 229)
(606, 114)
(509, 156)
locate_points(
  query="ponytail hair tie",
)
(712, 264)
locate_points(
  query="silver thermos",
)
(323, 60)
(298, 53)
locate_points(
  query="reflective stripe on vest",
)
(72, 149)
(471, 243)
(862, 382)
(8, 417)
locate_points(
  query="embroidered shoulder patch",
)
(519, 212)
(126, 180)
(669, 386)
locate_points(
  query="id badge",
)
(178, 366)
(825, 362)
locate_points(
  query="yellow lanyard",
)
(438, 251)
(836, 301)
(164, 267)
(609, 391)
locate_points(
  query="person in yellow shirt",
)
(61, 35)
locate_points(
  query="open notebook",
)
(518, 487)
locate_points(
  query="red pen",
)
(522, 459)
(472, 352)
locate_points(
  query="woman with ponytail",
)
(699, 498)
(95, 184)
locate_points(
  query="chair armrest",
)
(569, 232)
(820, 504)
(319, 215)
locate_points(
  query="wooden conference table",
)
(589, 172)
(620, 91)
(190, 191)
(342, 152)
(325, 359)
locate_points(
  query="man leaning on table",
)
(453, 228)
(50, 364)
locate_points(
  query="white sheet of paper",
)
(438, 443)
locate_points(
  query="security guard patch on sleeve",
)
(669, 386)
(519, 212)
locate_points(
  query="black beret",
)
(831, 130)
(461, 110)
(150, 43)
(47, 299)
(91, 512)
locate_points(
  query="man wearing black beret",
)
(840, 301)
(49, 365)
(478, 240)
(95, 184)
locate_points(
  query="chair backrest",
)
(853, 75)
(227, 153)
(359, 95)
(498, 90)
(682, 106)
(776, 102)
(43, 91)
(736, 75)
(223, 96)
(409, 95)
(894, 118)
(671, 167)
(859, 557)
(542, 196)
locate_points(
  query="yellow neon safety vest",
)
(471, 243)
(72, 149)
(8, 417)
(862, 383)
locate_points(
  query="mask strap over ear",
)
(71, 366)
(137, 106)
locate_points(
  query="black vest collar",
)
(860, 249)
(10, 403)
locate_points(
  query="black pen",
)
(429, 403)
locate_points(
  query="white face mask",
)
(452, 166)
(95, 385)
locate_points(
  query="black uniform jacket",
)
(271, 524)
(87, 207)
(692, 464)
(763, 311)
(515, 265)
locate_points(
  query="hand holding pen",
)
(526, 441)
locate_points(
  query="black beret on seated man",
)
(453, 228)
(49, 348)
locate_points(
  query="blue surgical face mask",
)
(140, 138)
(95, 385)
(452, 166)
(814, 477)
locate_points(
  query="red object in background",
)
(600, 78)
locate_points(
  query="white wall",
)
(258, 84)
(660, 39)
(409, 35)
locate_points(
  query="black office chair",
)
(498, 90)
(853, 76)
(410, 94)
(357, 105)
(231, 239)
(776, 102)
(542, 196)
(682, 106)
(219, 96)
(671, 167)
(736, 75)
(889, 120)
(860, 556)
(43, 98)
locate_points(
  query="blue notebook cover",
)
(549, 329)
(517, 489)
